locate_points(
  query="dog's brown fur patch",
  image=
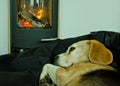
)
(66, 75)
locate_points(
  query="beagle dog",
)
(86, 58)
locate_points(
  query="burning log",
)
(27, 15)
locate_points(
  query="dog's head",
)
(86, 50)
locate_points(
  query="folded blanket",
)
(33, 59)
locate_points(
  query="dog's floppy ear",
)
(99, 54)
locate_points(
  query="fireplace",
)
(32, 21)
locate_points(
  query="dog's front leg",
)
(49, 70)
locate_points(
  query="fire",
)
(25, 23)
(39, 14)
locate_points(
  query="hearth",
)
(32, 21)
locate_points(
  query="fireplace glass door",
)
(34, 13)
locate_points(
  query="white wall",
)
(79, 17)
(3, 26)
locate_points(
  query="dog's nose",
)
(56, 57)
(56, 60)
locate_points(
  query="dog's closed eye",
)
(71, 49)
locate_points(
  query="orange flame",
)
(25, 23)
(39, 13)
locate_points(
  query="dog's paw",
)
(46, 81)
(44, 72)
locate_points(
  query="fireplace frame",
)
(29, 38)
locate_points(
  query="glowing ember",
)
(25, 23)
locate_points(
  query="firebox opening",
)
(34, 13)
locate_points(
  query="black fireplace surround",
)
(27, 27)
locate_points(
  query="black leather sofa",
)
(23, 69)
